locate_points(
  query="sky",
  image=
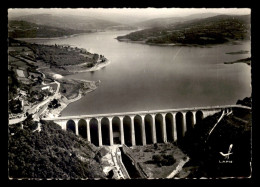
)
(119, 14)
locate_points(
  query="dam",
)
(137, 128)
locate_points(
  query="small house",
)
(46, 88)
(21, 72)
(35, 74)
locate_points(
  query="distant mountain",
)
(24, 29)
(212, 30)
(122, 27)
(160, 22)
(66, 21)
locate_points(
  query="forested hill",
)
(161, 22)
(212, 30)
(24, 29)
(50, 153)
(84, 22)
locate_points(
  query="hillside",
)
(212, 30)
(24, 29)
(161, 22)
(50, 153)
(67, 21)
(205, 150)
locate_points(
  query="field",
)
(144, 155)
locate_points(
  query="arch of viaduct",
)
(137, 128)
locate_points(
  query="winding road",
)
(35, 109)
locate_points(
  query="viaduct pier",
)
(137, 128)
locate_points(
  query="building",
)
(21, 72)
(35, 74)
(46, 88)
(22, 92)
(24, 80)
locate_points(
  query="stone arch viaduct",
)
(137, 128)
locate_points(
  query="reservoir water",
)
(143, 77)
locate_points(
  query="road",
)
(178, 168)
(220, 118)
(45, 103)
(119, 166)
(35, 109)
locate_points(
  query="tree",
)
(95, 57)
(15, 106)
(30, 124)
(90, 65)
(52, 62)
(39, 80)
(50, 153)
(54, 104)
(163, 160)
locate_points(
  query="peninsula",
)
(36, 78)
(245, 60)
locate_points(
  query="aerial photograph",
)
(129, 93)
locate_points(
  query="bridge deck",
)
(147, 112)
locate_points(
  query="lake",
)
(144, 77)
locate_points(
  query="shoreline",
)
(65, 36)
(164, 45)
(64, 101)
(53, 38)
(235, 42)
(95, 68)
(244, 61)
(80, 93)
